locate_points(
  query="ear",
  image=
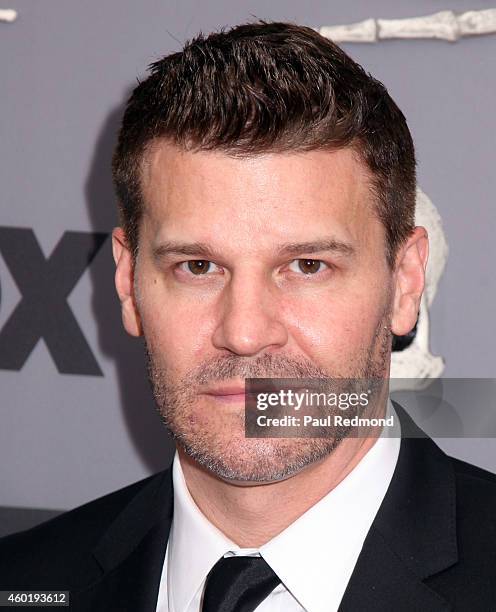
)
(411, 263)
(124, 283)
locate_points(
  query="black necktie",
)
(238, 584)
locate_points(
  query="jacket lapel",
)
(413, 535)
(131, 554)
(381, 582)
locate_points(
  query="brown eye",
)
(309, 266)
(198, 266)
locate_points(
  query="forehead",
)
(273, 196)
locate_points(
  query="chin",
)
(245, 461)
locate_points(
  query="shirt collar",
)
(325, 541)
(195, 545)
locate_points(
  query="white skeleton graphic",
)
(445, 25)
(8, 15)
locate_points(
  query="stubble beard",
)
(228, 454)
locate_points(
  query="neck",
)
(245, 513)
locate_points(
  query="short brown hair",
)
(269, 87)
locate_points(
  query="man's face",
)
(265, 266)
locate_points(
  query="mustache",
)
(264, 366)
(228, 367)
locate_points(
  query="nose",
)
(250, 318)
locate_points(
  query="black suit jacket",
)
(431, 547)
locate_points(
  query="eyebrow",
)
(327, 244)
(201, 249)
(182, 248)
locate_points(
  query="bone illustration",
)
(445, 25)
(8, 15)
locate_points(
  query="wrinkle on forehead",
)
(279, 196)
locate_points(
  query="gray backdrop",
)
(68, 435)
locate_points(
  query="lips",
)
(228, 398)
(228, 393)
(226, 390)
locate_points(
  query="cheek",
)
(177, 332)
(334, 329)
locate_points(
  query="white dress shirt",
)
(314, 557)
